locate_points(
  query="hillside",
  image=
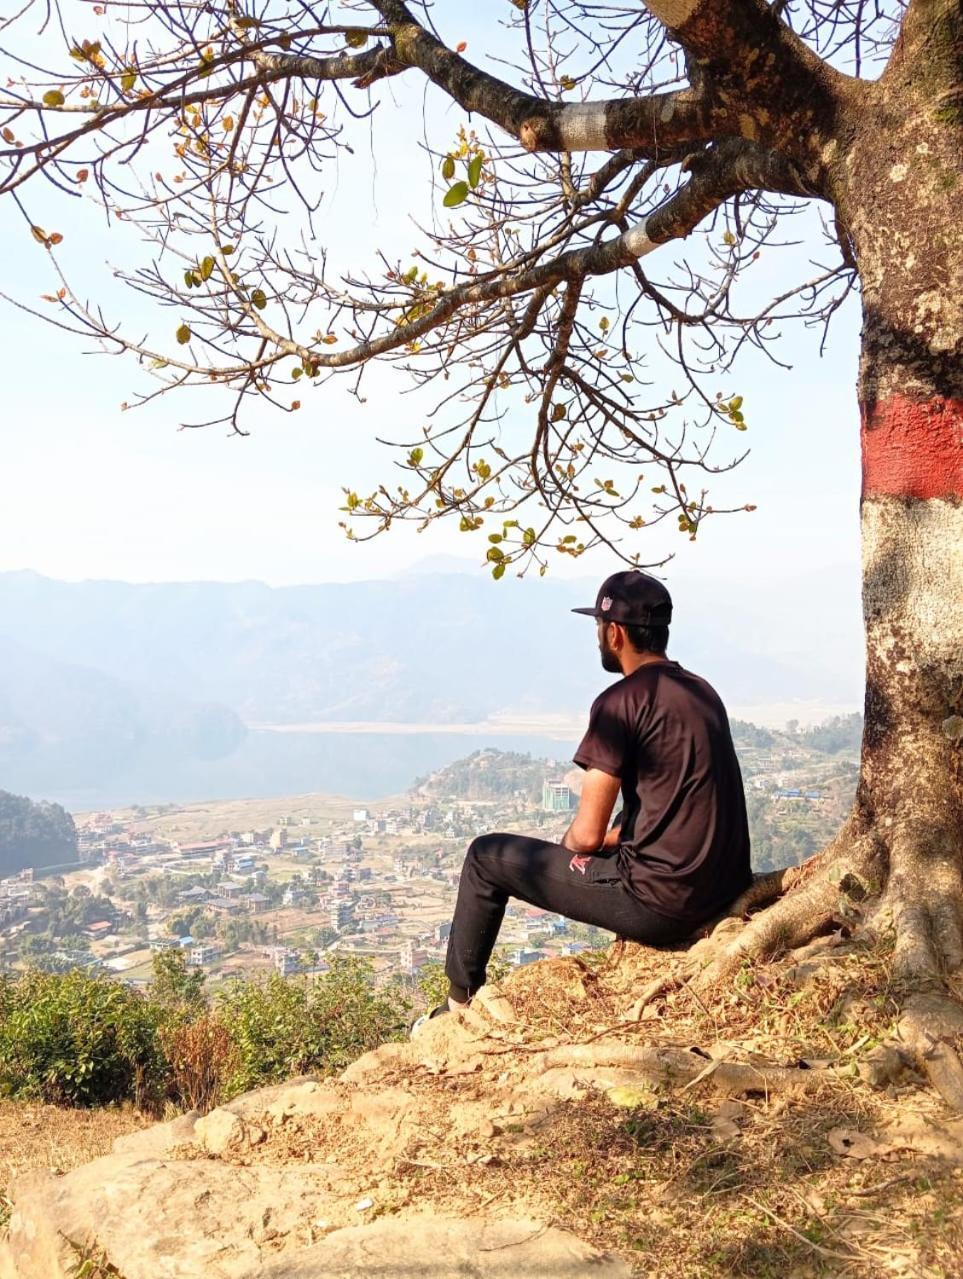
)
(490, 774)
(33, 834)
(66, 725)
(332, 652)
(580, 1119)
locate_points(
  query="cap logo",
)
(606, 604)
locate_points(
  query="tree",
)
(689, 130)
(173, 984)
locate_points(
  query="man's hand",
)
(587, 833)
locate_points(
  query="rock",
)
(429, 1247)
(203, 1219)
(161, 1219)
(158, 1140)
(378, 1062)
(219, 1131)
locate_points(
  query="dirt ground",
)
(46, 1138)
(788, 1176)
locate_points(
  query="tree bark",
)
(899, 190)
(895, 175)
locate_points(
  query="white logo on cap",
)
(606, 604)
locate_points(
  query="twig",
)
(823, 1252)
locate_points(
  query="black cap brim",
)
(588, 612)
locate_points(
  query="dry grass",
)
(681, 1182)
(48, 1138)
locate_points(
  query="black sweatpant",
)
(585, 888)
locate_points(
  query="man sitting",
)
(678, 854)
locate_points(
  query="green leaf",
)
(495, 538)
(498, 571)
(415, 457)
(448, 168)
(475, 168)
(227, 249)
(728, 238)
(128, 80)
(258, 299)
(735, 404)
(53, 98)
(356, 39)
(246, 24)
(206, 269)
(495, 556)
(455, 195)
(183, 334)
(189, 279)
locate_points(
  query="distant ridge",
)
(110, 682)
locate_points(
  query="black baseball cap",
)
(632, 598)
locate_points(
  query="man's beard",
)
(610, 661)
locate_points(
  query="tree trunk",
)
(902, 181)
(897, 180)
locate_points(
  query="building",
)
(164, 943)
(257, 903)
(341, 914)
(198, 956)
(224, 905)
(197, 894)
(202, 848)
(410, 958)
(557, 797)
(285, 961)
(278, 840)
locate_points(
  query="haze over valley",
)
(115, 693)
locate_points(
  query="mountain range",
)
(104, 679)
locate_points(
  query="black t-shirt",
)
(684, 841)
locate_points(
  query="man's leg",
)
(582, 888)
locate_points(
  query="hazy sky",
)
(89, 491)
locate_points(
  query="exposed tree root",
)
(807, 909)
(921, 907)
(929, 1025)
(676, 1066)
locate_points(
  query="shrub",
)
(283, 1027)
(202, 1058)
(73, 1039)
(81, 1040)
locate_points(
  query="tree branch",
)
(650, 124)
(749, 56)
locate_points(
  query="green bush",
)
(78, 1040)
(283, 1027)
(81, 1040)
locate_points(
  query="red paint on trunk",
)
(912, 448)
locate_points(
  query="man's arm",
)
(613, 836)
(587, 833)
